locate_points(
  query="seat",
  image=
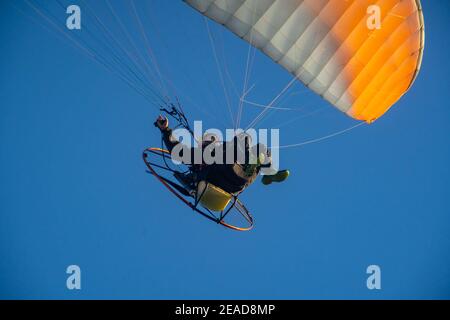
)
(212, 197)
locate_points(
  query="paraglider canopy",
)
(358, 55)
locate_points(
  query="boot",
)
(280, 176)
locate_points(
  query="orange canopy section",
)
(385, 61)
(359, 55)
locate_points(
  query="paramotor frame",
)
(157, 169)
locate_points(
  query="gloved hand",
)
(162, 123)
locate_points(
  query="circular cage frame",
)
(189, 198)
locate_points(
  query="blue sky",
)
(74, 189)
